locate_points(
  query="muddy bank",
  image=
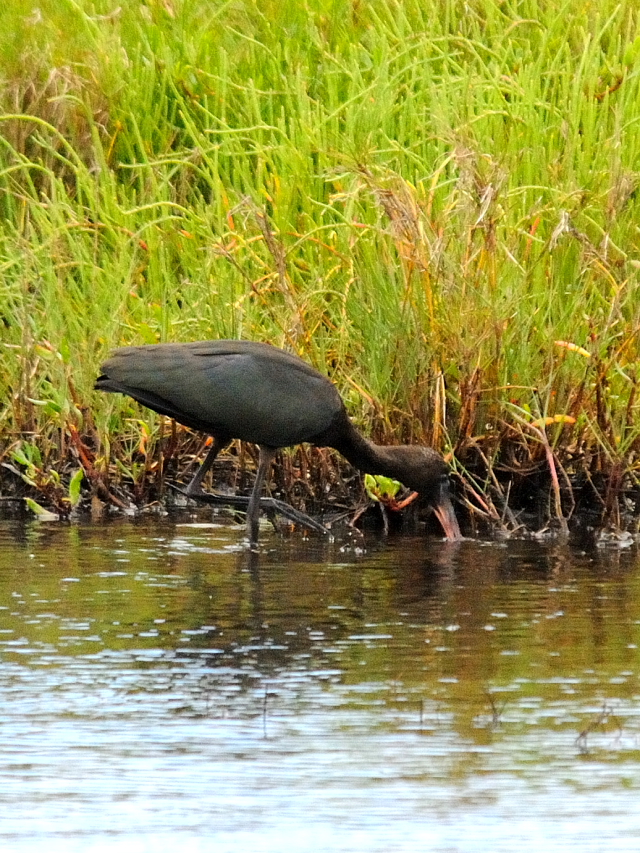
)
(490, 500)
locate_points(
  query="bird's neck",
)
(363, 454)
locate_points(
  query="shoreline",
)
(319, 483)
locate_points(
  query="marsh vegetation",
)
(434, 203)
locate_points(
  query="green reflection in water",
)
(431, 663)
(415, 615)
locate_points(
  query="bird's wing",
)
(236, 389)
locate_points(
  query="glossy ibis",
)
(259, 393)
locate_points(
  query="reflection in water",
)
(162, 689)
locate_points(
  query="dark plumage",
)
(259, 393)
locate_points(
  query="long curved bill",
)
(446, 515)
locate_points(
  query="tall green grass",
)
(420, 198)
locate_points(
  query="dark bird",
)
(259, 393)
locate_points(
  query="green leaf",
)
(51, 408)
(19, 457)
(36, 456)
(632, 53)
(378, 487)
(74, 487)
(40, 511)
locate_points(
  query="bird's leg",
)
(265, 460)
(253, 503)
(195, 486)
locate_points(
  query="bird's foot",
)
(242, 502)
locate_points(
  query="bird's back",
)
(233, 389)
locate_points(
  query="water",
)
(158, 693)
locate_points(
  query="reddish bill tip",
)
(447, 517)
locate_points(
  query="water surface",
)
(159, 692)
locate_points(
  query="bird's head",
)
(424, 470)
